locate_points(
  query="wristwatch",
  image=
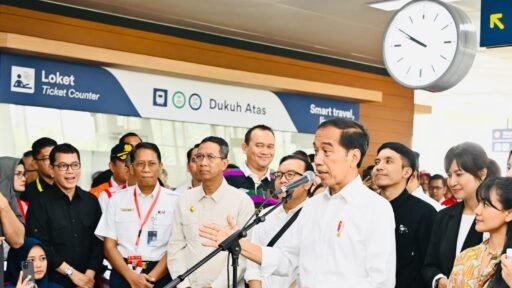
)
(69, 271)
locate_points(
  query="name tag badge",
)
(152, 238)
(135, 263)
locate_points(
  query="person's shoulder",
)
(419, 205)
(171, 194)
(445, 212)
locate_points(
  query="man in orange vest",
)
(119, 154)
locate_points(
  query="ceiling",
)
(345, 29)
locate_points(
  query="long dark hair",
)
(503, 188)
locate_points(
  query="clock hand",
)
(413, 39)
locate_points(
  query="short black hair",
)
(437, 177)
(189, 152)
(223, 145)
(247, 137)
(28, 154)
(64, 148)
(301, 154)
(353, 135)
(407, 155)
(40, 144)
(129, 134)
(145, 145)
(307, 165)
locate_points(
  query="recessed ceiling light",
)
(391, 5)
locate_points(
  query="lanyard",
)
(38, 183)
(136, 199)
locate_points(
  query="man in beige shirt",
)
(211, 202)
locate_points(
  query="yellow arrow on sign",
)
(495, 20)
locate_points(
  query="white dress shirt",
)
(420, 194)
(113, 189)
(342, 241)
(262, 234)
(187, 185)
(121, 222)
(193, 209)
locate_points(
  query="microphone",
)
(307, 178)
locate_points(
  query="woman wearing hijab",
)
(12, 180)
(32, 250)
(12, 174)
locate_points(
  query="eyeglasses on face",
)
(142, 164)
(45, 159)
(288, 175)
(210, 157)
(66, 166)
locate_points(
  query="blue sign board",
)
(57, 84)
(496, 23)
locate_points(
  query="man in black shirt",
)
(394, 165)
(64, 218)
(41, 149)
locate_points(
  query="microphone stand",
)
(232, 245)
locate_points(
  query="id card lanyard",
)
(148, 214)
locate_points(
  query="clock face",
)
(420, 43)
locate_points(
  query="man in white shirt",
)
(414, 187)
(211, 202)
(254, 177)
(291, 167)
(118, 156)
(344, 237)
(136, 225)
(195, 180)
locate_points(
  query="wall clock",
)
(429, 45)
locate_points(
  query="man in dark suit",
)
(394, 165)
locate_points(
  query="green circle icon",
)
(179, 100)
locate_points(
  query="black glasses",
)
(210, 157)
(43, 159)
(288, 175)
(141, 164)
(66, 166)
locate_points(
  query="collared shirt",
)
(261, 235)
(66, 227)
(105, 195)
(467, 270)
(195, 208)
(420, 194)
(248, 173)
(344, 240)
(184, 187)
(34, 189)
(121, 222)
(413, 222)
(260, 190)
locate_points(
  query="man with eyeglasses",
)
(344, 237)
(212, 201)
(136, 224)
(30, 167)
(41, 149)
(195, 179)
(437, 188)
(64, 218)
(271, 232)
